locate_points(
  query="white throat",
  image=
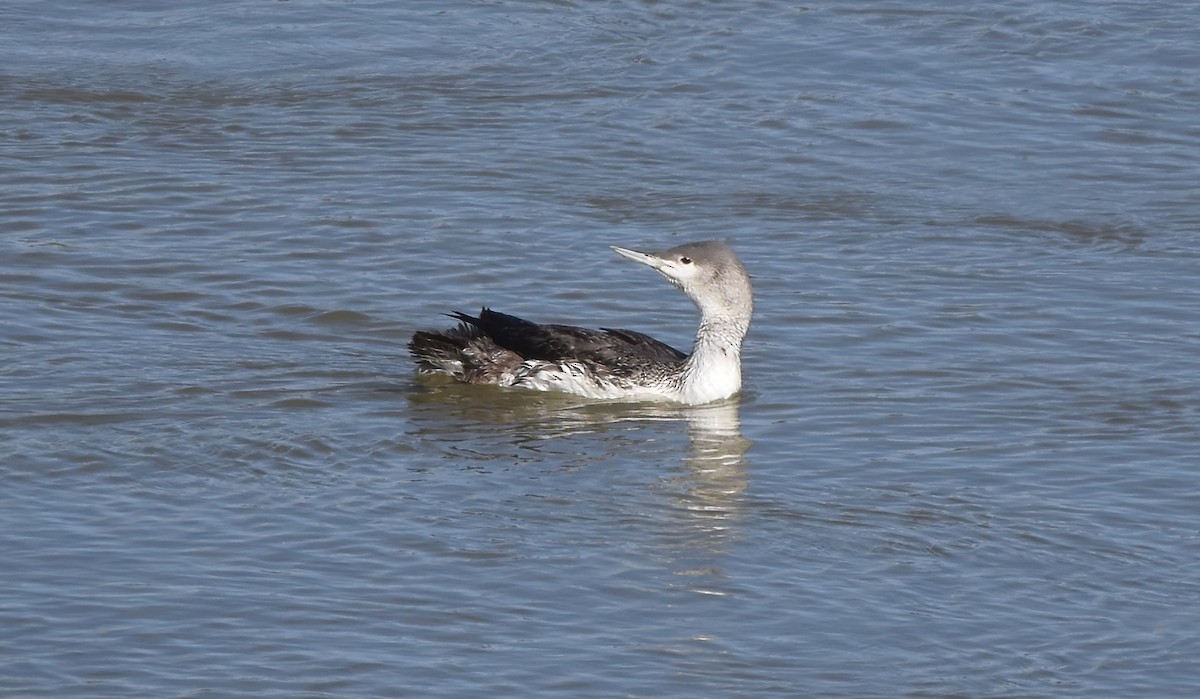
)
(714, 369)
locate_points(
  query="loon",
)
(610, 363)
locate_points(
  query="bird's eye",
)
(686, 260)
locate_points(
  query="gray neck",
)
(721, 332)
(714, 368)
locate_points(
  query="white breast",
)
(712, 373)
(576, 379)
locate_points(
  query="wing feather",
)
(617, 349)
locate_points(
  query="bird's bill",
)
(645, 258)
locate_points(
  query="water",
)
(964, 463)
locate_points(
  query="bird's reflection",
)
(706, 485)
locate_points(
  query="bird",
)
(610, 363)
